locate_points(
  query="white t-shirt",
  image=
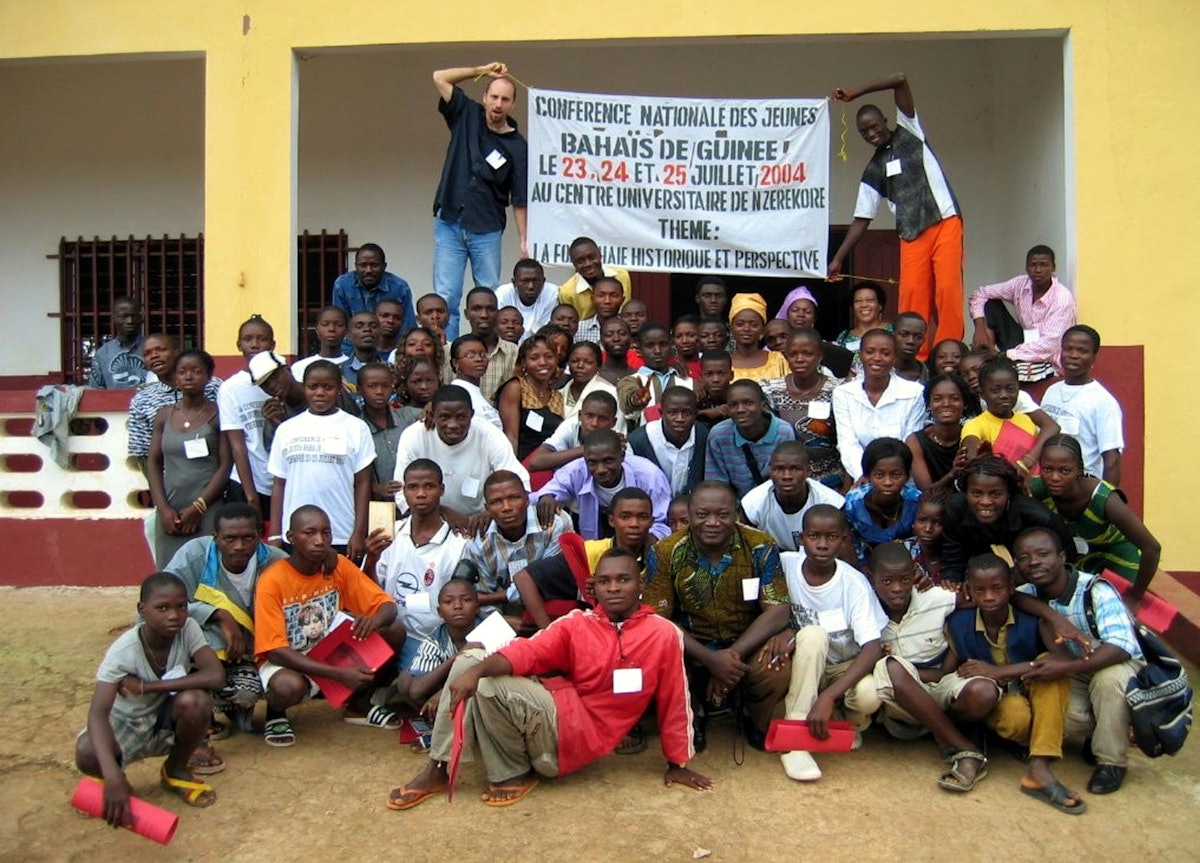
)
(1090, 414)
(676, 462)
(240, 405)
(537, 315)
(920, 636)
(405, 569)
(764, 512)
(846, 607)
(565, 437)
(127, 656)
(243, 581)
(464, 466)
(484, 410)
(318, 456)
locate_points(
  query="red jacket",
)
(586, 647)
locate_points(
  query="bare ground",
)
(323, 798)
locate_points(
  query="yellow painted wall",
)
(1133, 117)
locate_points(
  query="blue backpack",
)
(1159, 696)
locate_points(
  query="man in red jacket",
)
(614, 659)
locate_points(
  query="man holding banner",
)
(905, 171)
(486, 168)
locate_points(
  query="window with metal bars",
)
(166, 275)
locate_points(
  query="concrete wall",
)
(89, 149)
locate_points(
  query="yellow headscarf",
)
(753, 302)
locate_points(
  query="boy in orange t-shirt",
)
(295, 604)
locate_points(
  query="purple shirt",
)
(573, 482)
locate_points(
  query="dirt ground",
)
(336, 778)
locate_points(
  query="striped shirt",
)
(1050, 315)
(726, 459)
(1113, 625)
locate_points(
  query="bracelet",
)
(200, 505)
(1021, 466)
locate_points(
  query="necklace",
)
(802, 392)
(159, 668)
(885, 517)
(937, 440)
(187, 421)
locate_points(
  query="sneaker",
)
(800, 766)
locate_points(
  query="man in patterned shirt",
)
(716, 581)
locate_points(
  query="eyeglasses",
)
(473, 355)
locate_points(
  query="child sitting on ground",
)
(149, 701)
(458, 607)
(999, 386)
(1001, 642)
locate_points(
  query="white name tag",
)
(819, 410)
(750, 589)
(1030, 336)
(534, 421)
(892, 167)
(418, 602)
(1081, 545)
(196, 448)
(833, 620)
(174, 673)
(496, 160)
(1069, 425)
(470, 486)
(627, 681)
(333, 445)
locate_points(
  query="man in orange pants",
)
(905, 171)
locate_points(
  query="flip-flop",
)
(206, 764)
(522, 791)
(377, 717)
(192, 793)
(394, 801)
(955, 779)
(279, 733)
(1057, 796)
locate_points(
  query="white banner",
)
(681, 185)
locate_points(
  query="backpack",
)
(1159, 696)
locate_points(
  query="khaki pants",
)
(1097, 705)
(1034, 718)
(512, 720)
(811, 674)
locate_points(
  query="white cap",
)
(262, 365)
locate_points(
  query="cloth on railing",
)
(54, 407)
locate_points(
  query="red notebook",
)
(341, 649)
(1013, 443)
(786, 735)
(456, 748)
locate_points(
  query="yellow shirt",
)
(987, 425)
(578, 293)
(775, 367)
(999, 647)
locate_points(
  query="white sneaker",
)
(800, 766)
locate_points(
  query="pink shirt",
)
(1051, 315)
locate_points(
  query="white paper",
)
(627, 680)
(333, 445)
(1081, 545)
(535, 421)
(833, 620)
(892, 167)
(1028, 336)
(418, 602)
(196, 448)
(493, 633)
(819, 410)
(750, 589)
(1068, 424)
(338, 619)
(496, 160)
(470, 486)
(174, 673)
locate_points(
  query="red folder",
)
(786, 735)
(1013, 443)
(146, 819)
(1156, 613)
(340, 648)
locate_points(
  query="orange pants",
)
(931, 280)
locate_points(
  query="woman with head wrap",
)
(747, 319)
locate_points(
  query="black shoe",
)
(1089, 757)
(755, 739)
(700, 732)
(1106, 779)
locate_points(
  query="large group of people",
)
(723, 514)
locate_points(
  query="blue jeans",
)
(451, 248)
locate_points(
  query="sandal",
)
(206, 763)
(633, 742)
(377, 717)
(279, 732)
(198, 794)
(218, 730)
(955, 780)
(520, 792)
(1057, 796)
(395, 800)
